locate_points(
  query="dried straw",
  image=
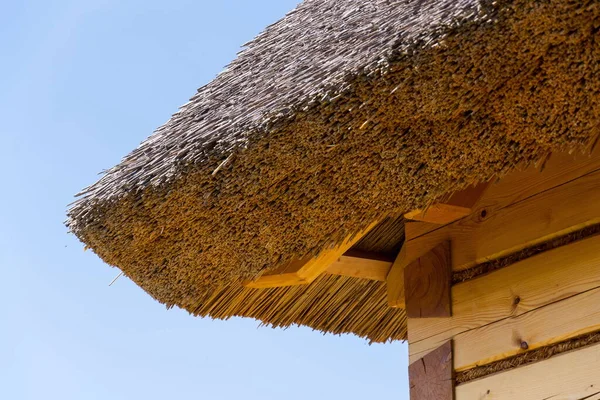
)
(341, 113)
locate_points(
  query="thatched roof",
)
(339, 114)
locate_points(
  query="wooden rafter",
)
(304, 271)
(458, 206)
(364, 265)
(395, 281)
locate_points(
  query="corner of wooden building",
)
(504, 301)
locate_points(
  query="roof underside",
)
(338, 115)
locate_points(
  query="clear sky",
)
(82, 82)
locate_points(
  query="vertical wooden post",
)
(427, 284)
(431, 377)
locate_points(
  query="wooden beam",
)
(304, 271)
(439, 213)
(532, 301)
(414, 229)
(572, 375)
(364, 265)
(427, 284)
(431, 376)
(395, 281)
(554, 323)
(458, 206)
(537, 219)
(519, 185)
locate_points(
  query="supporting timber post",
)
(431, 376)
(427, 282)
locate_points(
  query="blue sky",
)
(82, 83)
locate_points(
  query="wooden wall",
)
(526, 307)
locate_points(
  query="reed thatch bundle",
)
(341, 113)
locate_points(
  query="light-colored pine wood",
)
(532, 300)
(427, 282)
(302, 272)
(361, 265)
(395, 281)
(439, 213)
(519, 185)
(516, 186)
(569, 376)
(459, 205)
(539, 218)
(414, 229)
(551, 324)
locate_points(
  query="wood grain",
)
(302, 272)
(458, 206)
(414, 229)
(427, 284)
(431, 376)
(439, 213)
(363, 265)
(551, 324)
(534, 300)
(537, 219)
(395, 281)
(522, 184)
(569, 376)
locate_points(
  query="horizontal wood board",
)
(519, 185)
(570, 376)
(540, 300)
(537, 219)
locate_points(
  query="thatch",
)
(341, 113)
(333, 304)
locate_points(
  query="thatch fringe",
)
(331, 304)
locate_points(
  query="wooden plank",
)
(395, 281)
(551, 324)
(302, 272)
(438, 213)
(458, 206)
(487, 236)
(470, 196)
(491, 312)
(414, 229)
(519, 185)
(427, 284)
(561, 168)
(431, 376)
(568, 376)
(362, 265)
